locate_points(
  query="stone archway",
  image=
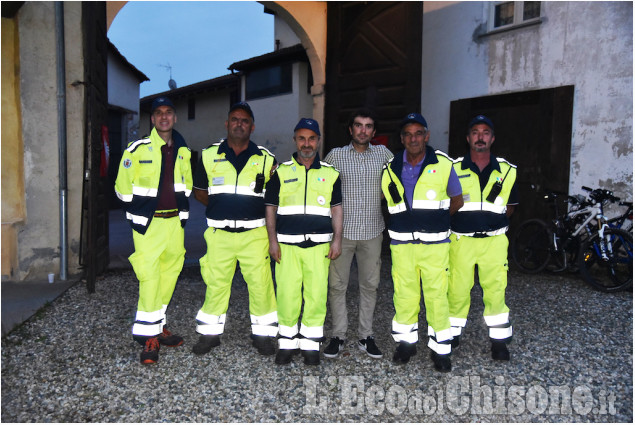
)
(308, 20)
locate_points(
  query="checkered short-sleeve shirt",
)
(361, 189)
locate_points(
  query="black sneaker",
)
(168, 339)
(263, 344)
(500, 351)
(311, 357)
(205, 344)
(284, 356)
(368, 345)
(150, 353)
(442, 362)
(404, 351)
(333, 349)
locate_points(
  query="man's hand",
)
(336, 249)
(274, 251)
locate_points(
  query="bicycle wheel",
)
(616, 272)
(531, 246)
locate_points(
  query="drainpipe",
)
(61, 133)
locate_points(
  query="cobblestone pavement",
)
(75, 361)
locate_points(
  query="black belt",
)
(480, 235)
(168, 214)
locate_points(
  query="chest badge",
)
(321, 200)
(127, 163)
(431, 194)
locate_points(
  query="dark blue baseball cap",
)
(481, 119)
(309, 124)
(244, 106)
(414, 118)
(162, 101)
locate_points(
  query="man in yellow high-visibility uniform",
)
(304, 225)
(230, 180)
(422, 191)
(154, 181)
(478, 236)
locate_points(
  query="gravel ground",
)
(75, 361)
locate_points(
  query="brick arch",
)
(308, 20)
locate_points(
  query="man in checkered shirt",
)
(360, 166)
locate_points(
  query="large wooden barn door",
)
(94, 255)
(533, 131)
(373, 60)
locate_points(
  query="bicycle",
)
(537, 244)
(569, 241)
(606, 258)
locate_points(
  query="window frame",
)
(286, 70)
(518, 21)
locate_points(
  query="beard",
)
(306, 154)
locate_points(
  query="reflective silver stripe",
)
(419, 204)
(312, 331)
(180, 187)
(500, 333)
(266, 319)
(134, 145)
(137, 219)
(456, 321)
(264, 330)
(419, 236)
(318, 238)
(154, 316)
(497, 320)
(265, 325)
(405, 333)
(293, 210)
(498, 232)
(233, 190)
(124, 198)
(309, 345)
(308, 210)
(144, 191)
(456, 330)
(288, 344)
(147, 330)
(483, 206)
(441, 336)
(210, 324)
(397, 208)
(439, 348)
(236, 224)
(288, 331)
(188, 192)
(184, 215)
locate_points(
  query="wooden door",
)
(94, 254)
(374, 61)
(533, 131)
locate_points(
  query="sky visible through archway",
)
(197, 39)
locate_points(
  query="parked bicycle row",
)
(581, 239)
